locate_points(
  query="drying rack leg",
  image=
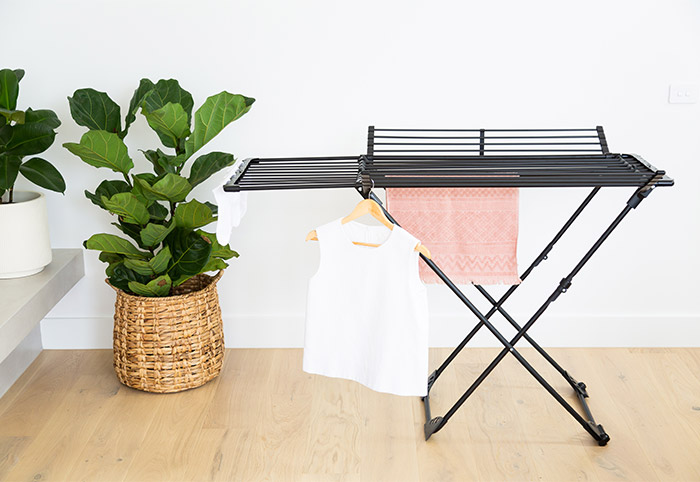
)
(497, 304)
(433, 425)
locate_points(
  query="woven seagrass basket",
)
(172, 343)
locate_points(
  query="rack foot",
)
(432, 426)
(598, 433)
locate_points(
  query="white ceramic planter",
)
(25, 248)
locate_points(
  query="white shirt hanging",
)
(367, 310)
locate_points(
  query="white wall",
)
(322, 71)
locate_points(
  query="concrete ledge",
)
(24, 302)
(20, 359)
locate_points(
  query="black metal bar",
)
(562, 288)
(482, 142)
(523, 157)
(242, 169)
(597, 158)
(597, 432)
(457, 170)
(602, 140)
(541, 257)
(514, 324)
(307, 159)
(426, 408)
(490, 150)
(434, 425)
(479, 137)
(384, 129)
(592, 182)
(268, 187)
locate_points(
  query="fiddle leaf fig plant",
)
(162, 244)
(24, 133)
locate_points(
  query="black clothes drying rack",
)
(477, 158)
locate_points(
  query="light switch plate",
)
(683, 94)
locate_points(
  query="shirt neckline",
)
(350, 242)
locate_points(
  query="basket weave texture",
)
(172, 343)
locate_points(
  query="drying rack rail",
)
(458, 158)
(543, 158)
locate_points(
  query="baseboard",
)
(19, 359)
(287, 331)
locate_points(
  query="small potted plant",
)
(168, 334)
(26, 248)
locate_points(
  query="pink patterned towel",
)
(472, 233)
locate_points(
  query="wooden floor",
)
(68, 418)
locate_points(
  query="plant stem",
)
(127, 180)
(12, 190)
(178, 151)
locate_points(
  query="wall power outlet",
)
(683, 93)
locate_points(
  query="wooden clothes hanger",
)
(368, 206)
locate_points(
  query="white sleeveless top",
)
(367, 310)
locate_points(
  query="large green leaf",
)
(215, 264)
(171, 187)
(43, 174)
(154, 234)
(42, 116)
(107, 189)
(190, 252)
(157, 287)
(109, 270)
(162, 162)
(139, 266)
(137, 190)
(9, 87)
(158, 212)
(9, 168)
(127, 207)
(145, 86)
(182, 278)
(170, 123)
(153, 157)
(110, 243)
(120, 276)
(102, 149)
(131, 230)
(110, 258)
(193, 215)
(216, 113)
(95, 110)
(168, 91)
(217, 250)
(149, 177)
(28, 138)
(159, 263)
(5, 134)
(206, 165)
(16, 116)
(214, 208)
